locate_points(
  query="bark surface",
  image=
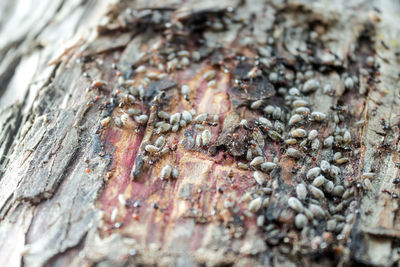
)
(82, 84)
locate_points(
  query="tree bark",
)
(84, 182)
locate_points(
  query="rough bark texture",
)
(79, 185)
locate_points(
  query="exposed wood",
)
(82, 181)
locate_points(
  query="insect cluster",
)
(292, 137)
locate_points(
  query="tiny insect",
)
(268, 166)
(294, 153)
(186, 116)
(349, 83)
(294, 91)
(243, 166)
(160, 142)
(164, 127)
(175, 172)
(206, 137)
(185, 90)
(312, 134)
(319, 181)
(300, 221)
(317, 211)
(328, 187)
(328, 142)
(347, 137)
(254, 72)
(198, 140)
(269, 109)
(255, 204)
(296, 118)
(133, 112)
(201, 117)
(290, 141)
(121, 199)
(209, 75)
(298, 133)
(260, 177)
(257, 161)
(166, 172)
(369, 175)
(114, 214)
(318, 116)
(295, 204)
(141, 69)
(104, 122)
(302, 110)
(256, 104)
(313, 172)
(163, 115)
(301, 191)
(325, 166)
(142, 119)
(310, 85)
(299, 103)
(316, 192)
(175, 118)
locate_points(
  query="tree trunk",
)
(255, 94)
